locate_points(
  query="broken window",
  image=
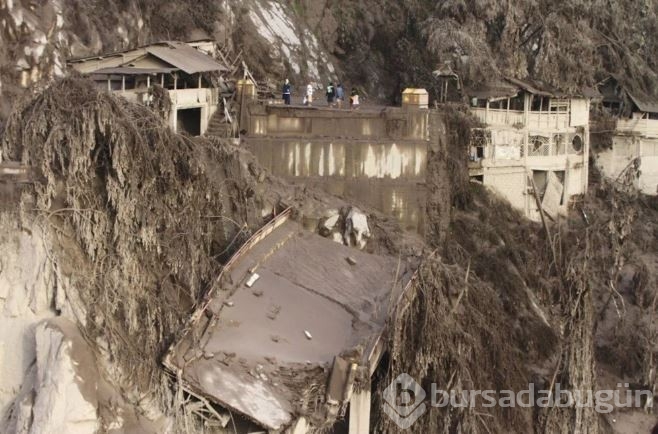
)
(480, 140)
(539, 146)
(539, 103)
(517, 103)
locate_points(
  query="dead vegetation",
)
(142, 216)
(498, 310)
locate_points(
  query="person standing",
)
(340, 95)
(331, 94)
(286, 92)
(354, 99)
(308, 98)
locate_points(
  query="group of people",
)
(335, 95)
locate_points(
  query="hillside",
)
(380, 46)
(124, 225)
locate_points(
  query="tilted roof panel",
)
(186, 58)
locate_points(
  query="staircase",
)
(218, 127)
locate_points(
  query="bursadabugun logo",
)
(404, 401)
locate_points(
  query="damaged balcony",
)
(292, 330)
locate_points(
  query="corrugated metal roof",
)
(178, 54)
(185, 58)
(510, 87)
(127, 70)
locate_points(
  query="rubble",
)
(357, 231)
(338, 320)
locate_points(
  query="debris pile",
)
(281, 336)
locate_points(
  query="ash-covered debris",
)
(329, 320)
(142, 221)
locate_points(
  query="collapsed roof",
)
(615, 90)
(293, 317)
(644, 103)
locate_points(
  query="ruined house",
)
(533, 138)
(290, 345)
(187, 70)
(634, 134)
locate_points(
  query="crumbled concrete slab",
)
(264, 363)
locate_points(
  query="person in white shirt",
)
(354, 99)
(308, 98)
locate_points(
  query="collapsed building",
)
(187, 70)
(291, 344)
(534, 138)
(634, 135)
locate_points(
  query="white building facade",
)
(532, 138)
(635, 136)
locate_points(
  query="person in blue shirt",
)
(286, 92)
(340, 95)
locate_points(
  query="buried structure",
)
(289, 344)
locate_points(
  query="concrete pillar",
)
(204, 120)
(173, 119)
(360, 412)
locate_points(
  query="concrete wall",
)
(377, 157)
(203, 98)
(625, 148)
(509, 179)
(341, 158)
(285, 121)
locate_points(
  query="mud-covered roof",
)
(186, 58)
(179, 55)
(535, 87)
(510, 87)
(262, 342)
(617, 89)
(127, 70)
(492, 90)
(643, 102)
